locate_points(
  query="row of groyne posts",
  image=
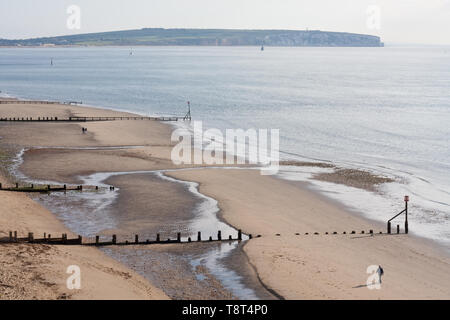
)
(63, 240)
(48, 239)
(186, 117)
(49, 188)
(86, 119)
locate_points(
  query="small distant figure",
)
(380, 273)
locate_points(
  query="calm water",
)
(384, 109)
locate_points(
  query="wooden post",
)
(158, 239)
(136, 238)
(239, 234)
(49, 236)
(389, 227)
(178, 237)
(0, 185)
(406, 213)
(65, 187)
(30, 237)
(15, 235)
(10, 236)
(398, 229)
(199, 236)
(114, 239)
(97, 240)
(219, 235)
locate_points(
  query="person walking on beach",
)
(380, 272)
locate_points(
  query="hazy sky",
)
(407, 21)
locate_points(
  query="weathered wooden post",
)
(178, 237)
(239, 234)
(219, 235)
(398, 229)
(97, 240)
(114, 239)
(389, 227)
(136, 238)
(199, 236)
(406, 213)
(30, 237)
(10, 236)
(65, 187)
(158, 239)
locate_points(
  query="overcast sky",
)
(401, 21)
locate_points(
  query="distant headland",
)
(206, 37)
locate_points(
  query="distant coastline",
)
(204, 37)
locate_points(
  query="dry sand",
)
(295, 267)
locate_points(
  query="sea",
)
(385, 110)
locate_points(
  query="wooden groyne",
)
(64, 240)
(49, 188)
(30, 102)
(98, 241)
(86, 119)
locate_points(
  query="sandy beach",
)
(274, 266)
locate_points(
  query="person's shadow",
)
(360, 286)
